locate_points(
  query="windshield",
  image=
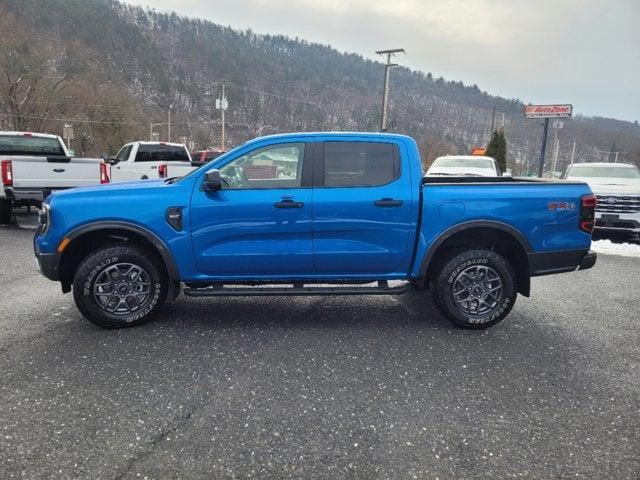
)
(23, 145)
(447, 162)
(588, 171)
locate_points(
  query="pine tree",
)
(497, 149)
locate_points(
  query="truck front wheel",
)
(475, 289)
(119, 286)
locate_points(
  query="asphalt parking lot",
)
(333, 387)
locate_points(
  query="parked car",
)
(204, 156)
(464, 165)
(617, 188)
(144, 160)
(349, 210)
(37, 164)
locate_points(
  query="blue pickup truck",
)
(313, 214)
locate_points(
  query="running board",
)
(383, 288)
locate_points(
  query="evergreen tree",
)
(497, 149)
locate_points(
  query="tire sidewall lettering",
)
(498, 312)
(93, 273)
(464, 265)
(136, 316)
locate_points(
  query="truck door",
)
(362, 203)
(121, 171)
(259, 224)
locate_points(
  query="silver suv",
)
(617, 187)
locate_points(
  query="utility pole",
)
(169, 125)
(222, 104)
(616, 160)
(224, 107)
(385, 94)
(557, 125)
(493, 120)
(555, 155)
(573, 151)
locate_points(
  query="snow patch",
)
(608, 247)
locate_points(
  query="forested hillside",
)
(112, 70)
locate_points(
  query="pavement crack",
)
(157, 439)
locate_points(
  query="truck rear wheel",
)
(5, 210)
(475, 289)
(119, 286)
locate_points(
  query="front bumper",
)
(621, 222)
(48, 263)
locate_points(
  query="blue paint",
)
(337, 234)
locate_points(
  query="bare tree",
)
(33, 79)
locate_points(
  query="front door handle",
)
(388, 202)
(288, 203)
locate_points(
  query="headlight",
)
(44, 217)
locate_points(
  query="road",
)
(342, 387)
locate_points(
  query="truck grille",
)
(618, 203)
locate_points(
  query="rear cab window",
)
(29, 145)
(161, 153)
(359, 164)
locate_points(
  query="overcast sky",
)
(585, 52)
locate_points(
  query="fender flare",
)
(460, 227)
(157, 242)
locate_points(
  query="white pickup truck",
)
(35, 164)
(617, 188)
(143, 160)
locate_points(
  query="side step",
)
(298, 289)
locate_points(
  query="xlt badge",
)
(174, 217)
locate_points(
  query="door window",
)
(360, 164)
(123, 154)
(273, 166)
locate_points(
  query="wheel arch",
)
(498, 236)
(87, 238)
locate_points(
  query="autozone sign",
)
(548, 111)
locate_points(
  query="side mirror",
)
(112, 160)
(197, 163)
(212, 181)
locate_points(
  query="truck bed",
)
(520, 180)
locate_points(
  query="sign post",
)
(546, 112)
(67, 134)
(544, 146)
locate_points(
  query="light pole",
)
(169, 125)
(222, 104)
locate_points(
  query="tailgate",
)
(39, 172)
(179, 169)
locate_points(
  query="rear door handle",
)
(288, 204)
(388, 202)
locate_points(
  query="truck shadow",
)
(413, 308)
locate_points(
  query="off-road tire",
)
(443, 288)
(5, 211)
(95, 264)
